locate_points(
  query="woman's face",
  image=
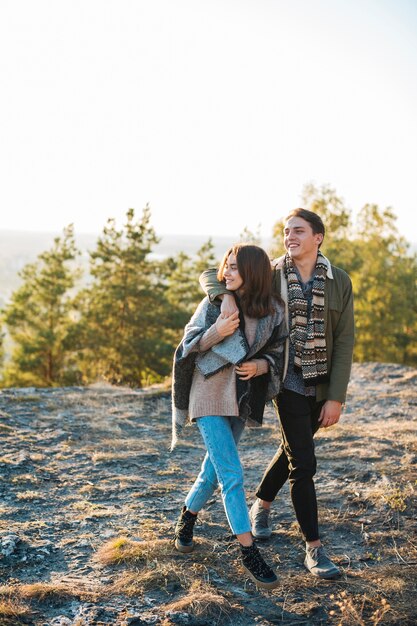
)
(231, 274)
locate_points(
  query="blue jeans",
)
(221, 466)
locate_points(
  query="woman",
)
(224, 371)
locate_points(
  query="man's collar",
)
(278, 263)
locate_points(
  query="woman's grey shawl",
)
(268, 344)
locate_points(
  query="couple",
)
(235, 357)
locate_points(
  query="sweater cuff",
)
(209, 339)
(263, 366)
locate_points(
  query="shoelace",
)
(185, 526)
(262, 515)
(317, 554)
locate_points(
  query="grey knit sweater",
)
(217, 395)
(249, 396)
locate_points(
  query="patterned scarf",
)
(307, 332)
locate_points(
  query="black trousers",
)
(295, 459)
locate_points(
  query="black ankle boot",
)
(184, 531)
(261, 574)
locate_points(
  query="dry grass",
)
(42, 591)
(12, 611)
(25, 478)
(37, 456)
(90, 509)
(120, 444)
(126, 456)
(395, 496)
(4, 428)
(156, 576)
(14, 599)
(8, 459)
(377, 595)
(202, 600)
(358, 611)
(5, 510)
(173, 470)
(30, 495)
(161, 489)
(150, 529)
(89, 489)
(124, 550)
(31, 524)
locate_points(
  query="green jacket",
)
(338, 321)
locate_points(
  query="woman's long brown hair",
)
(254, 267)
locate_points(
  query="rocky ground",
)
(89, 494)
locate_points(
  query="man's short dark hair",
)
(310, 217)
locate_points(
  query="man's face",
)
(299, 239)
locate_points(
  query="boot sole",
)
(259, 583)
(330, 576)
(183, 549)
(334, 576)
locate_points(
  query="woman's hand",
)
(227, 325)
(247, 370)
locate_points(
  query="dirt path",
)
(89, 495)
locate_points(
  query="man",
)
(318, 356)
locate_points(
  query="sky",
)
(215, 112)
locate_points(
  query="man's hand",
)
(227, 325)
(228, 306)
(246, 370)
(330, 413)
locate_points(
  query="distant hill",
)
(17, 248)
(14, 243)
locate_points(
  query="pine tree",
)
(338, 245)
(39, 318)
(125, 321)
(385, 290)
(248, 236)
(277, 245)
(182, 274)
(2, 350)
